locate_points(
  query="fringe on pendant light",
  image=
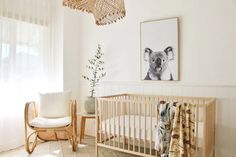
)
(104, 11)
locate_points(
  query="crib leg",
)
(96, 151)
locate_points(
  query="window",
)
(27, 61)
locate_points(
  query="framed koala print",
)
(159, 50)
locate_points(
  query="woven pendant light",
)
(108, 11)
(104, 11)
(83, 5)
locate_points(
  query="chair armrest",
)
(73, 105)
(30, 112)
(74, 119)
(74, 111)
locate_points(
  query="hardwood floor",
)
(63, 149)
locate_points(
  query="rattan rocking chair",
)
(49, 129)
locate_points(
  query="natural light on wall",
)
(29, 62)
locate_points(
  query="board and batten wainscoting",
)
(225, 109)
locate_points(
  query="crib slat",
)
(139, 140)
(123, 115)
(105, 120)
(202, 118)
(145, 127)
(205, 146)
(114, 123)
(119, 107)
(157, 114)
(129, 127)
(197, 122)
(213, 123)
(134, 104)
(109, 121)
(100, 119)
(97, 120)
(150, 111)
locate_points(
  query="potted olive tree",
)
(97, 73)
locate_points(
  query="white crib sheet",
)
(124, 123)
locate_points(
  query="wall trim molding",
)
(165, 83)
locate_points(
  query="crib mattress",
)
(112, 127)
(134, 121)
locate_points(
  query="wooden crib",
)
(126, 123)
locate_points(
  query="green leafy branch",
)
(96, 66)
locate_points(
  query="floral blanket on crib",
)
(166, 112)
(175, 130)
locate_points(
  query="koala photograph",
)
(158, 64)
(159, 50)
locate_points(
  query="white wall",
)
(207, 54)
(71, 64)
(207, 39)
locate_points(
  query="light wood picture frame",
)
(159, 50)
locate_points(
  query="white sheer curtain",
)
(30, 61)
